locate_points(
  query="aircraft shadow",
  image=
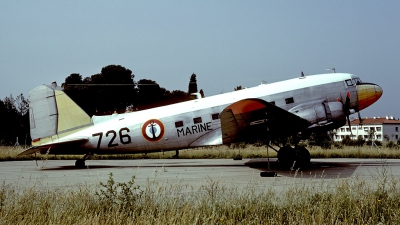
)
(317, 170)
(158, 165)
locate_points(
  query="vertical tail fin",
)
(52, 114)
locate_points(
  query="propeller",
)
(359, 119)
(347, 110)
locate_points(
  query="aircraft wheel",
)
(80, 163)
(303, 157)
(268, 174)
(286, 156)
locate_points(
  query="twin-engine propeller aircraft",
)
(269, 112)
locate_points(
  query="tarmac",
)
(193, 173)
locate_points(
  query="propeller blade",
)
(347, 104)
(346, 110)
(348, 121)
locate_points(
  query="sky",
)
(226, 43)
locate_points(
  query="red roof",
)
(376, 121)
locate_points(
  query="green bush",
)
(326, 144)
(391, 144)
(124, 194)
(338, 145)
(377, 143)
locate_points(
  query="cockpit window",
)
(357, 80)
(349, 82)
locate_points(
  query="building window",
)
(197, 120)
(289, 100)
(378, 136)
(348, 129)
(215, 116)
(366, 129)
(397, 136)
(178, 124)
(397, 129)
(342, 129)
(272, 103)
(359, 127)
(378, 128)
(365, 136)
(353, 128)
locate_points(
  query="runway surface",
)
(61, 174)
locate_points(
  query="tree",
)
(149, 92)
(152, 95)
(22, 105)
(201, 93)
(237, 88)
(114, 89)
(192, 84)
(14, 120)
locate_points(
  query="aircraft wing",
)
(73, 142)
(252, 119)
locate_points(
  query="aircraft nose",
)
(368, 94)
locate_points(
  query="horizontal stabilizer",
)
(53, 145)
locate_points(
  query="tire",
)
(286, 156)
(268, 174)
(80, 163)
(303, 157)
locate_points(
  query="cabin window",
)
(272, 103)
(289, 100)
(349, 82)
(197, 120)
(215, 116)
(178, 124)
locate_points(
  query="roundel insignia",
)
(153, 130)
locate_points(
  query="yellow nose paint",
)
(368, 94)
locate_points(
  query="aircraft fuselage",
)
(197, 122)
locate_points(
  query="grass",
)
(346, 201)
(10, 153)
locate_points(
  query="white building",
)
(380, 126)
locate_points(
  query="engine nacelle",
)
(329, 115)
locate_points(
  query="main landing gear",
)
(80, 163)
(176, 156)
(294, 158)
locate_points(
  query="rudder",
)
(52, 114)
